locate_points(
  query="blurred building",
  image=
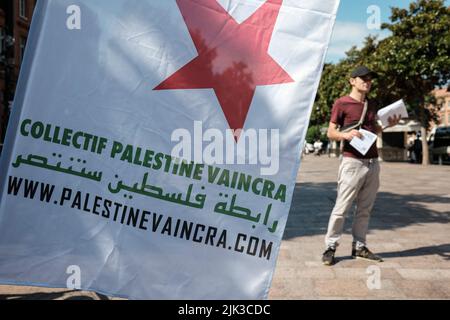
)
(443, 102)
(15, 20)
(393, 143)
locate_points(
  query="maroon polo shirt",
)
(346, 111)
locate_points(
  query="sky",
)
(351, 24)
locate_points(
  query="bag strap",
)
(360, 122)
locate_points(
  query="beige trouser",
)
(359, 179)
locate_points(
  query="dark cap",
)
(362, 71)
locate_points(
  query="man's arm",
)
(335, 135)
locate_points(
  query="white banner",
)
(154, 145)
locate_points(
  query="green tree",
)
(335, 80)
(415, 59)
(316, 133)
(412, 62)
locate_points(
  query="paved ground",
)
(410, 228)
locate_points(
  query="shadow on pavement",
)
(440, 250)
(313, 203)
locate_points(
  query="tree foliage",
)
(412, 62)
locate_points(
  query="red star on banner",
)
(233, 58)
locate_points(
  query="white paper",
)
(364, 144)
(395, 109)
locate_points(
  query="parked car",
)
(440, 145)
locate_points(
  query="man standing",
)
(358, 178)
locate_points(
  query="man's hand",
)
(352, 134)
(335, 135)
(394, 121)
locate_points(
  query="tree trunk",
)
(425, 149)
(423, 131)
